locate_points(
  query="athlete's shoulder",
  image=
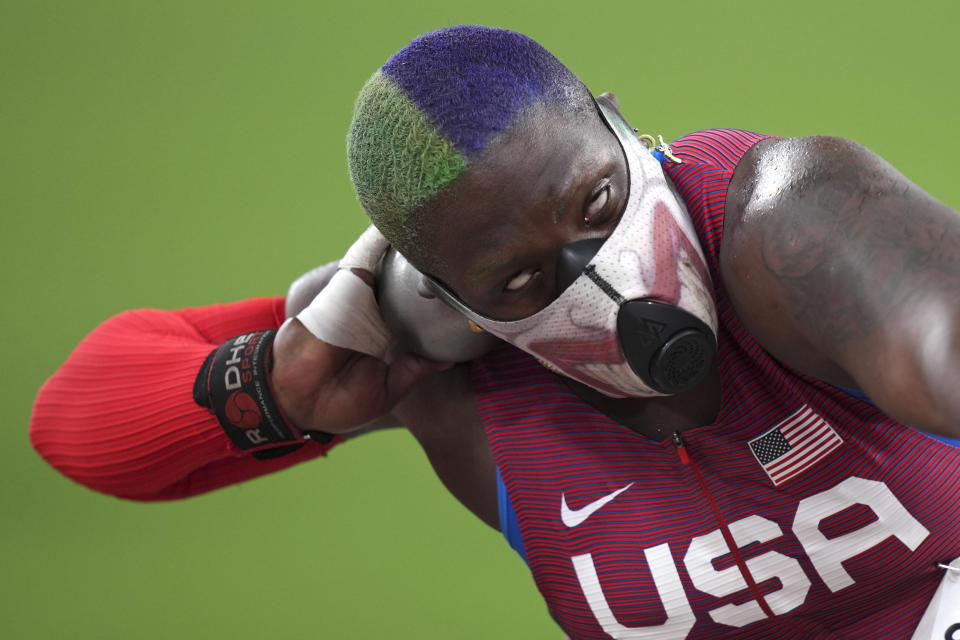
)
(788, 205)
(770, 176)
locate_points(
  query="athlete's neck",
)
(657, 418)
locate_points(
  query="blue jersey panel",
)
(508, 519)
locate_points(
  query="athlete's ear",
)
(610, 96)
(425, 288)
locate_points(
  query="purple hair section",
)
(472, 81)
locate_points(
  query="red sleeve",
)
(119, 415)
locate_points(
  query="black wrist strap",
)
(234, 384)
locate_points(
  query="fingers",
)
(306, 287)
(296, 346)
(366, 388)
(364, 275)
(336, 390)
(365, 253)
(345, 314)
(322, 387)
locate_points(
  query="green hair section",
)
(397, 158)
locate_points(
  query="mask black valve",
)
(670, 349)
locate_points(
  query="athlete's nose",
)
(573, 259)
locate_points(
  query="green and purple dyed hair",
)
(437, 103)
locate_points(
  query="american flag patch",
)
(794, 445)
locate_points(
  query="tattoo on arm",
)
(854, 242)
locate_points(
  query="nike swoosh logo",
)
(575, 517)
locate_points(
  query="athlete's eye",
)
(596, 203)
(521, 280)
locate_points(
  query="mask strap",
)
(439, 290)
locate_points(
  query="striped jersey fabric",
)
(800, 512)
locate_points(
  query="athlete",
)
(696, 424)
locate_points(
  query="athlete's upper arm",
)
(843, 268)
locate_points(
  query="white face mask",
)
(639, 319)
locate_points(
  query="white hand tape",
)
(366, 252)
(345, 312)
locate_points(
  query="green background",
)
(143, 144)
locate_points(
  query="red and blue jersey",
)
(801, 511)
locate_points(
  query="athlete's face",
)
(547, 182)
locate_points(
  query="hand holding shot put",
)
(336, 367)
